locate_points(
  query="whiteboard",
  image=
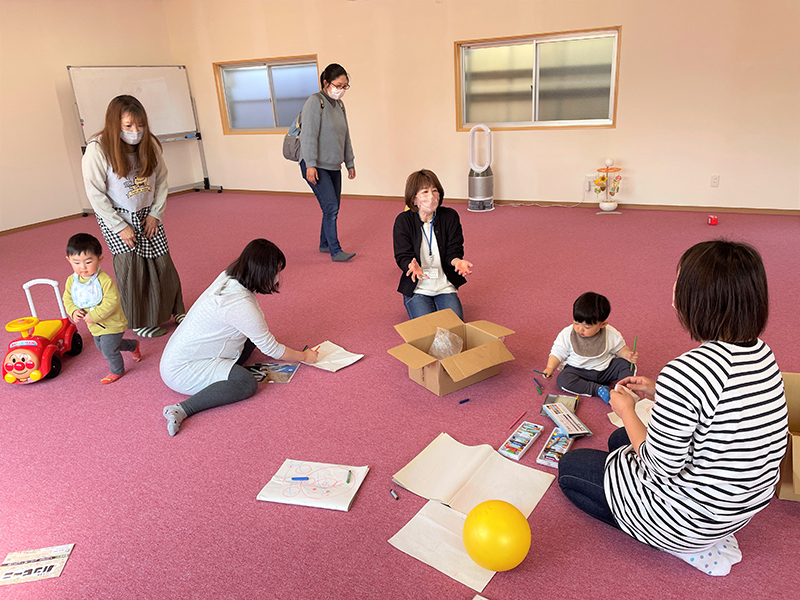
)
(163, 91)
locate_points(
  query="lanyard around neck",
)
(430, 241)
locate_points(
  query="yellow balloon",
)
(497, 535)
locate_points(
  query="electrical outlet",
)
(715, 181)
(587, 183)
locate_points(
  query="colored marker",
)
(299, 478)
(305, 348)
(635, 339)
(538, 389)
(540, 372)
(538, 383)
(349, 474)
(464, 400)
(394, 495)
(317, 348)
(517, 419)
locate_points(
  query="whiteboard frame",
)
(163, 138)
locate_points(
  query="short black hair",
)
(258, 266)
(84, 242)
(591, 308)
(721, 292)
(331, 72)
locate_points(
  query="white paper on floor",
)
(433, 536)
(331, 357)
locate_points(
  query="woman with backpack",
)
(324, 146)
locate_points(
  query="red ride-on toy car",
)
(37, 354)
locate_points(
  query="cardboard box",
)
(480, 358)
(789, 484)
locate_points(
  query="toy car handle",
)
(23, 324)
(27, 287)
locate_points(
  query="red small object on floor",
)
(712, 219)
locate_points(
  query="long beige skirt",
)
(149, 289)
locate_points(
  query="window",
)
(559, 80)
(264, 96)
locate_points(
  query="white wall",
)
(706, 87)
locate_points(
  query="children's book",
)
(464, 476)
(273, 372)
(554, 448)
(566, 420)
(314, 484)
(571, 402)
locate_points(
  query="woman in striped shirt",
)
(709, 458)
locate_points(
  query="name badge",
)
(431, 273)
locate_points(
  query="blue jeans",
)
(328, 191)
(418, 305)
(580, 477)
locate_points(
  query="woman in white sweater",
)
(203, 357)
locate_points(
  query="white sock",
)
(716, 560)
(174, 415)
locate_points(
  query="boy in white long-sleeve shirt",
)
(594, 353)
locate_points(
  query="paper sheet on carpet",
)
(31, 565)
(433, 536)
(331, 357)
(326, 485)
(464, 476)
(642, 411)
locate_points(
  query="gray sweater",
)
(324, 135)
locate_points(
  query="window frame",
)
(305, 59)
(460, 46)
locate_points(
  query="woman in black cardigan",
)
(429, 249)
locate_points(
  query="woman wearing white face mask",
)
(126, 182)
(429, 249)
(324, 146)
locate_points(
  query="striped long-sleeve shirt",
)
(711, 458)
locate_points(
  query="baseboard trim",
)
(542, 203)
(35, 225)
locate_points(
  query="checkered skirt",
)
(152, 248)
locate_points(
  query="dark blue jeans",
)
(580, 477)
(418, 304)
(328, 191)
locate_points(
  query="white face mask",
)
(131, 137)
(336, 93)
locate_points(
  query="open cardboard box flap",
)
(789, 485)
(411, 356)
(469, 362)
(492, 328)
(427, 324)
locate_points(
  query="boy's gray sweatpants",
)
(111, 345)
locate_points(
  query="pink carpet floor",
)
(158, 517)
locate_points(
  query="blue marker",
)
(299, 478)
(465, 400)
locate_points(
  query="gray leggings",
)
(110, 344)
(240, 385)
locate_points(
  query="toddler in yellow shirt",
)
(91, 296)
